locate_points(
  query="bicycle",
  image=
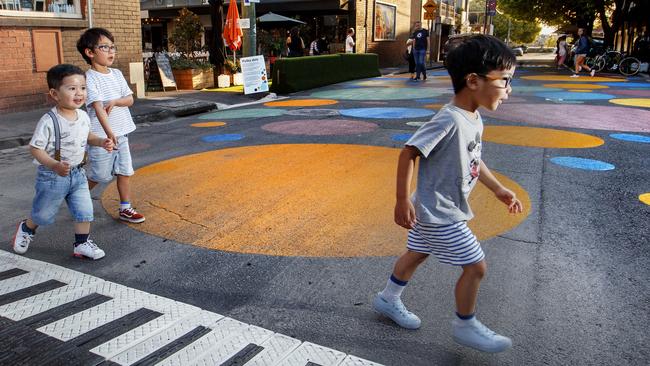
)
(629, 66)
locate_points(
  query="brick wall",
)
(22, 88)
(390, 52)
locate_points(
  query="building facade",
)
(38, 34)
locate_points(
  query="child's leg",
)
(407, 264)
(124, 188)
(467, 288)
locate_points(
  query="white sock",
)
(393, 289)
(125, 205)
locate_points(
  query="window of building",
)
(41, 8)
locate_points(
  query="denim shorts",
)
(104, 165)
(52, 189)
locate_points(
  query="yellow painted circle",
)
(579, 91)
(582, 78)
(289, 200)
(645, 198)
(208, 124)
(301, 103)
(539, 137)
(632, 102)
(575, 86)
(434, 106)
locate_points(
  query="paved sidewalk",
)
(16, 129)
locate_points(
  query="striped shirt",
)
(104, 88)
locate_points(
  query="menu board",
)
(254, 70)
(165, 69)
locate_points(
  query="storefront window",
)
(41, 8)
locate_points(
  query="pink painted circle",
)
(320, 127)
(594, 117)
(641, 93)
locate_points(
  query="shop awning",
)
(272, 17)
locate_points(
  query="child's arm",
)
(502, 193)
(126, 101)
(404, 210)
(102, 116)
(61, 168)
(95, 140)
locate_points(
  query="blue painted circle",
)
(631, 137)
(575, 96)
(581, 163)
(628, 85)
(401, 137)
(427, 100)
(387, 113)
(222, 137)
(524, 89)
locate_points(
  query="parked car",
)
(518, 51)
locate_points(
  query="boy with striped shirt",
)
(109, 99)
(449, 148)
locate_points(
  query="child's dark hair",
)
(56, 74)
(90, 39)
(478, 54)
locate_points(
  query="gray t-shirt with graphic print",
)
(450, 148)
(74, 136)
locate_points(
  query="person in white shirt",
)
(349, 41)
(109, 99)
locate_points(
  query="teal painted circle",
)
(387, 113)
(581, 163)
(222, 137)
(427, 100)
(244, 113)
(575, 96)
(623, 84)
(532, 89)
(401, 137)
(631, 137)
(378, 93)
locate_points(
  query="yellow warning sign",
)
(428, 16)
(430, 6)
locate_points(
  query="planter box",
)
(194, 79)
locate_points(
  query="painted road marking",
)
(631, 137)
(581, 163)
(539, 137)
(88, 320)
(632, 102)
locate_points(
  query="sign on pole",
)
(254, 72)
(491, 8)
(244, 23)
(430, 6)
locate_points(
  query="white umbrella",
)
(272, 17)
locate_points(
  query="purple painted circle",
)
(640, 93)
(573, 116)
(320, 127)
(387, 113)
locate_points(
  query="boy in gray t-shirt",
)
(449, 148)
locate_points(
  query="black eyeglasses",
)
(507, 79)
(106, 48)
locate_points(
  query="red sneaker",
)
(131, 215)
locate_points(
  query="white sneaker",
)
(22, 239)
(397, 312)
(574, 76)
(472, 333)
(88, 250)
(592, 72)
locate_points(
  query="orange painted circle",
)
(539, 137)
(208, 124)
(308, 200)
(435, 106)
(645, 198)
(575, 86)
(632, 102)
(301, 103)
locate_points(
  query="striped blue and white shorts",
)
(453, 244)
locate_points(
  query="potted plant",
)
(233, 69)
(189, 71)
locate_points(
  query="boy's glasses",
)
(507, 79)
(106, 48)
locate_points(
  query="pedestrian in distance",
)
(313, 48)
(561, 51)
(108, 102)
(349, 41)
(295, 43)
(59, 147)
(581, 54)
(449, 151)
(323, 45)
(420, 37)
(410, 58)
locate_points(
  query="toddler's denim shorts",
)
(104, 165)
(52, 189)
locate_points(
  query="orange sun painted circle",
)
(308, 200)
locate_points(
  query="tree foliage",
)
(187, 33)
(521, 31)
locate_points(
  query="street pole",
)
(253, 30)
(245, 42)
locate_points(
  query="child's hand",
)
(509, 198)
(108, 145)
(108, 106)
(62, 168)
(113, 138)
(405, 214)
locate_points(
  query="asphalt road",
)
(569, 284)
